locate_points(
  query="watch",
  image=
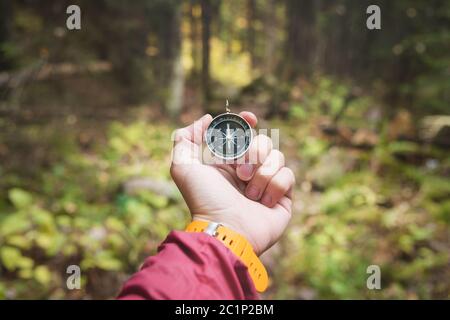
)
(239, 246)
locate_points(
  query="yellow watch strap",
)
(239, 246)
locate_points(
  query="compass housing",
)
(228, 136)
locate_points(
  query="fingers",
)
(194, 132)
(249, 117)
(263, 175)
(286, 203)
(280, 185)
(257, 153)
(187, 141)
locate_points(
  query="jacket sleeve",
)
(190, 266)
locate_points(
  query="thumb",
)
(188, 141)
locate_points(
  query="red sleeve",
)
(191, 266)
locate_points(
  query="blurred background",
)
(86, 117)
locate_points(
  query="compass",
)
(228, 136)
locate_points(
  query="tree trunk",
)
(251, 12)
(270, 31)
(300, 39)
(175, 98)
(194, 37)
(206, 34)
(5, 24)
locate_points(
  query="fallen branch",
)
(43, 71)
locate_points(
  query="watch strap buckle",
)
(211, 228)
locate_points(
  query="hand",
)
(252, 199)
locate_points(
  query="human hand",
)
(252, 199)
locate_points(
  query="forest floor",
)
(365, 195)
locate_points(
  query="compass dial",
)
(228, 136)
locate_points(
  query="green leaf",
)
(19, 241)
(26, 273)
(12, 258)
(155, 200)
(44, 240)
(115, 224)
(42, 275)
(43, 219)
(106, 261)
(20, 198)
(2, 291)
(15, 223)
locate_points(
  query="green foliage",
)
(324, 94)
(358, 207)
(62, 195)
(81, 215)
(20, 198)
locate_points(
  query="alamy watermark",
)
(374, 280)
(73, 21)
(74, 280)
(374, 20)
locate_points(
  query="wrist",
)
(239, 245)
(233, 224)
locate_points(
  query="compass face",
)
(228, 136)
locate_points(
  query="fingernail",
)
(267, 200)
(253, 192)
(247, 169)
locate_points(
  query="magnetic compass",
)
(228, 136)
